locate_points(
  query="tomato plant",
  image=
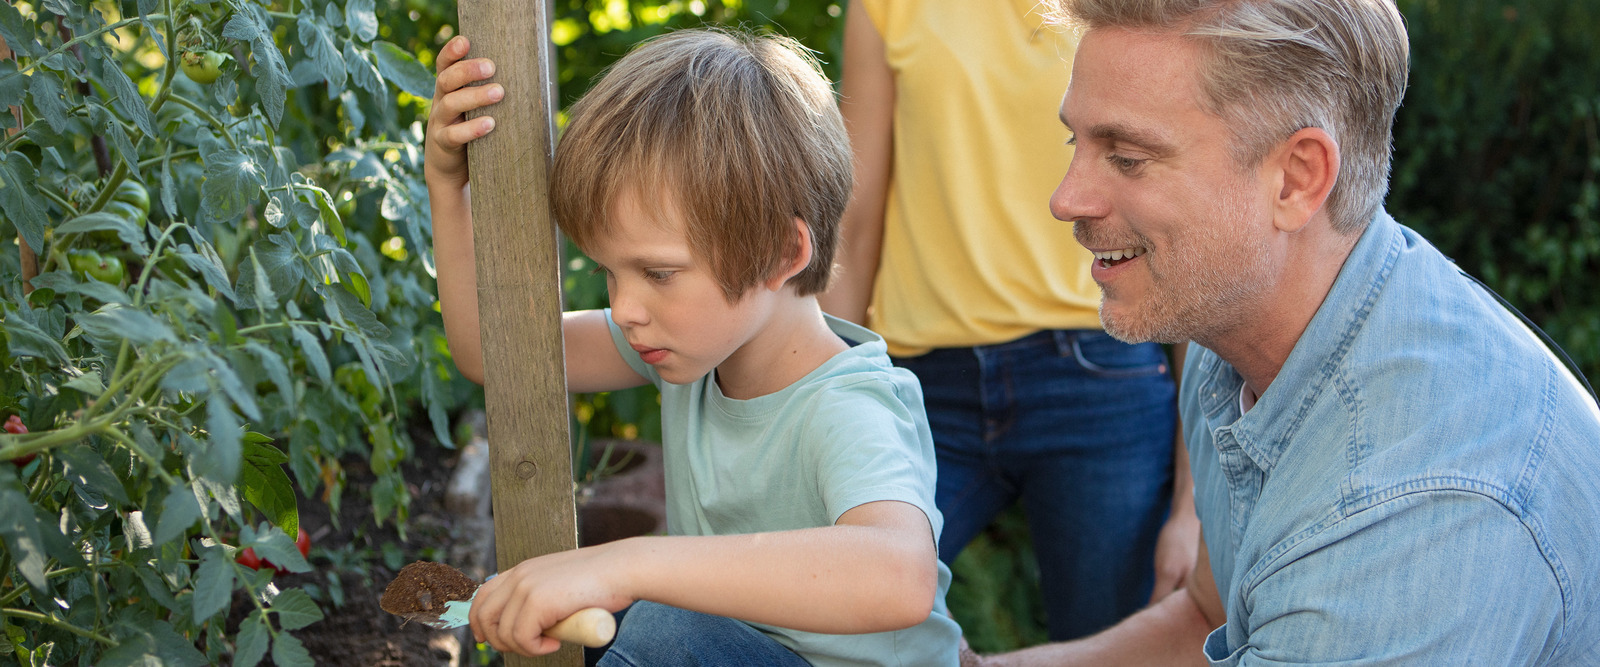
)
(190, 325)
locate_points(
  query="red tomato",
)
(248, 558)
(14, 425)
(304, 542)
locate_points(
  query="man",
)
(1389, 467)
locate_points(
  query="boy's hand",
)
(445, 156)
(512, 610)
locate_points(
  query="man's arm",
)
(873, 571)
(867, 103)
(1175, 546)
(1170, 632)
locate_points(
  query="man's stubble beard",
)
(1199, 290)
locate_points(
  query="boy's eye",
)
(657, 276)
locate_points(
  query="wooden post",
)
(519, 292)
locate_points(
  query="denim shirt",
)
(1420, 484)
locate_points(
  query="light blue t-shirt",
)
(1419, 485)
(851, 432)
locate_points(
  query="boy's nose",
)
(626, 311)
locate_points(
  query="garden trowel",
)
(415, 592)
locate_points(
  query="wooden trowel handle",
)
(593, 627)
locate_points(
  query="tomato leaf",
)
(287, 651)
(126, 98)
(363, 22)
(49, 98)
(233, 181)
(127, 230)
(319, 45)
(27, 340)
(295, 609)
(213, 587)
(254, 635)
(263, 482)
(114, 322)
(363, 74)
(273, 544)
(17, 200)
(312, 349)
(178, 512)
(20, 528)
(88, 471)
(222, 460)
(404, 70)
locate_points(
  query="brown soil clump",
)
(425, 587)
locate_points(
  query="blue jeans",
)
(1079, 427)
(652, 635)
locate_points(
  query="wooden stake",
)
(519, 292)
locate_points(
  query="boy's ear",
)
(798, 259)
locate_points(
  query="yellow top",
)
(971, 255)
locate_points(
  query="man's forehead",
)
(1130, 86)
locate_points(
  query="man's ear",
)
(798, 259)
(1309, 166)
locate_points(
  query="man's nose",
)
(1077, 197)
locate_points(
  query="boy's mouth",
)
(1110, 258)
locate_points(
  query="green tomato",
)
(99, 267)
(203, 66)
(130, 212)
(132, 192)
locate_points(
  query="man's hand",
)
(1177, 546)
(512, 610)
(448, 130)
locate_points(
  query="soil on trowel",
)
(425, 587)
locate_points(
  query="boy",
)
(706, 173)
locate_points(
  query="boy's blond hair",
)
(739, 133)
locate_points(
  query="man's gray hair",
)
(1274, 67)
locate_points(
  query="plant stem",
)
(88, 36)
(52, 620)
(207, 117)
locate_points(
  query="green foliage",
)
(270, 307)
(1497, 153)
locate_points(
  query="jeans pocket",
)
(1100, 354)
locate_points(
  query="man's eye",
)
(1125, 164)
(1072, 140)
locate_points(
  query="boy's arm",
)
(873, 571)
(593, 362)
(866, 101)
(445, 170)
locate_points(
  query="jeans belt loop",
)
(1065, 340)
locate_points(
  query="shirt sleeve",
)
(873, 448)
(1437, 577)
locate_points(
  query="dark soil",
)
(426, 587)
(354, 558)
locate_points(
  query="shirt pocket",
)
(1216, 648)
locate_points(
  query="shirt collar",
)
(1266, 430)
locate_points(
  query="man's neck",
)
(1261, 343)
